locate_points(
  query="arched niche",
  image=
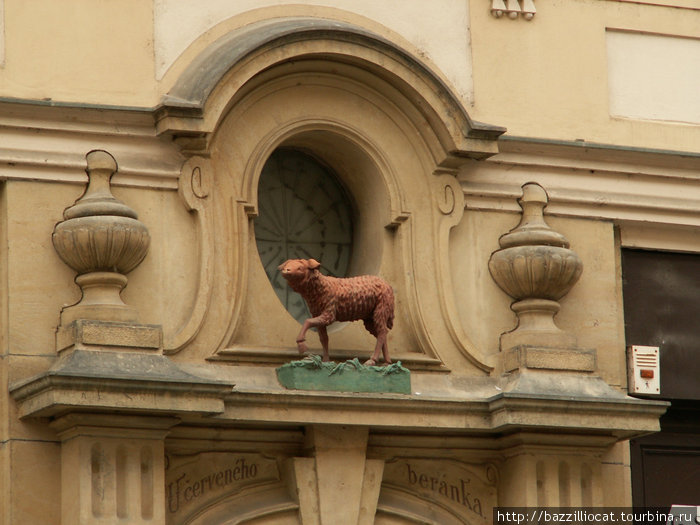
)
(388, 126)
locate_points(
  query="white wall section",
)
(178, 23)
(654, 77)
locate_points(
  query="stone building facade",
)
(494, 161)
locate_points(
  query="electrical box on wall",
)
(643, 370)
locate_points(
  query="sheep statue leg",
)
(301, 338)
(320, 322)
(385, 352)
(382, 347)
(323, 336)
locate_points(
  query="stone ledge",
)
(117, 381)
(542, 401)
(591, 409)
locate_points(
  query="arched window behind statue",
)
(303, 213)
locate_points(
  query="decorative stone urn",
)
(536, 268)
(101, 239)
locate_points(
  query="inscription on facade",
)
(467, 491)
(184, 489)
(192, 482)
(456, 490)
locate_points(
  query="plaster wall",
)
(552, 77)
(84, 52)
(178, 24)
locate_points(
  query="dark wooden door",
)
(662, 308)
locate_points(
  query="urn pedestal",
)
(102, 239)
(110, 390)
(536, 268)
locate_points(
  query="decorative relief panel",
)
(193, 483)
(468, 492)
(195, 187)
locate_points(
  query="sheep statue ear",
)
(313, 264)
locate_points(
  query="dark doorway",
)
(662, 308)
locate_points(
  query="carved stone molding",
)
(570, 403)
(513, 8)
(121, 458)
(243, 81)
(220, 191)
(339, 464)
(536, 268)
(118, 381)
(48, 154)
(190, 111)
(195, 187)
(450, 203)
(591, 180)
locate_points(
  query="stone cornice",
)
(619, 417)
(119, 382)
(48, 141)
(627, 185)
(677, 4)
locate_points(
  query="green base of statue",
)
(311, 373)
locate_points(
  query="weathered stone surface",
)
(549, 357)
(86, 333)
(350, 376)
(196, 481)
(121, 381)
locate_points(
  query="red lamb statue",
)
(367, 298)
